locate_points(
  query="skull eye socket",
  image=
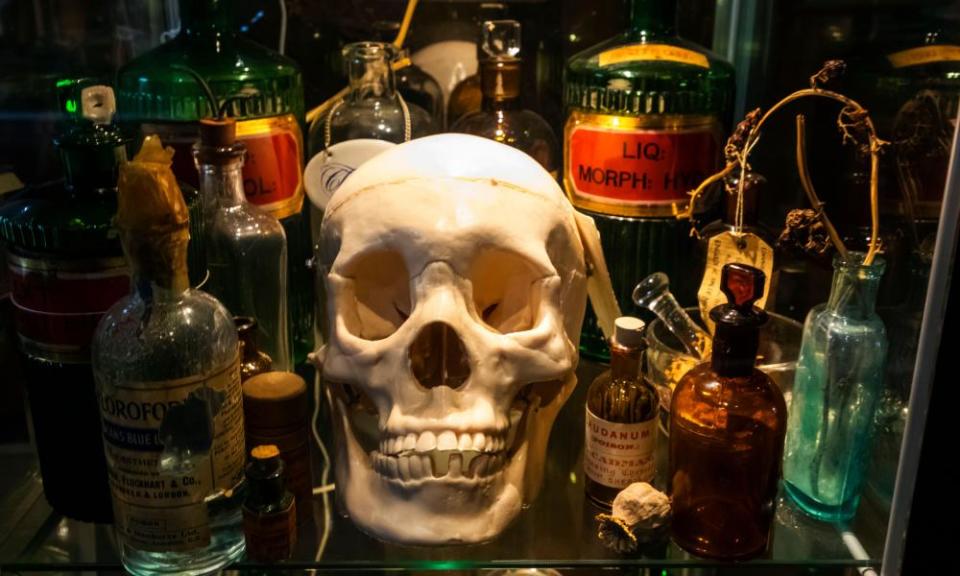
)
(381, 295)
(506, 290)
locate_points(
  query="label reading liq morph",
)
(170, 445)
(618, 455)
(613, 165)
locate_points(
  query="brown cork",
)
(218, 142)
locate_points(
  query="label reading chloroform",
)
(169, 445)
(618, 455)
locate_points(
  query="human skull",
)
(455, 292)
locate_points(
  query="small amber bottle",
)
(727, 425)
(621, 431)
(253, 361)
(270, 510)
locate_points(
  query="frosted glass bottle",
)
(838, 383)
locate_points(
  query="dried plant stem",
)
(808, 186)
(851, 110)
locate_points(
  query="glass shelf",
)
(557, 532)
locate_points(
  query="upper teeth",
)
(444, 441)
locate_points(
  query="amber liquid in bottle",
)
(621, 430)
(727, 427)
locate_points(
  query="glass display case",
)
(900, 62)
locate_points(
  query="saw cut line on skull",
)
(455, 288)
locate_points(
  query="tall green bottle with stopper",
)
(263, 90)
(646, 112)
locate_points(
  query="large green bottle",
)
(263, 90)
(646, 111)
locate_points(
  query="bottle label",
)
(272, 167)
(58, 303)
(647, 52)
(724, 248)
(924, 55)
(170, 445)
(270, 537)
(618, 455)
(634, 166)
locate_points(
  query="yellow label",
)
(661, 52)
(617, 455)
(723, 249)
(171, 445)
(924, 55)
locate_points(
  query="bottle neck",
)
(222, 184)
(625, 362)
(206, 17)
(654, 17)
(500, 84)
(734, 350)
(266, 483)
(92, 168)
(159, 264)
(855, 286)
(248, 341)
(371, 79)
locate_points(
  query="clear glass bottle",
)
(156, 95)
(646, 111)
(621, 416)
(501, 117)
(838, 383)
(246, 246)
(167, 368)
(727, 425)
(373, 108)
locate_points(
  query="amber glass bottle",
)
(621, 431)
(727, 425)
(253, 361)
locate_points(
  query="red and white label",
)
(636, 167)
(58, 304)
(618, 455)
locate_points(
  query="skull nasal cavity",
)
(437, 357)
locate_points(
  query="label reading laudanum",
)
(272, 167)
(618, 455)
(170, 445)
(619, 165)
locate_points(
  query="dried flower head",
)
(831, 69)
(805, 233)
(738, 140)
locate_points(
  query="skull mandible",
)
(455, 288)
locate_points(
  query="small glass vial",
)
(621, 431)
(246, 246)
(727, 425)
(252, 360)
(500, 116)
(270, 510)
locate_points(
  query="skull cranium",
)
(455, 286)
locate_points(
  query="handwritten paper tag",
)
(728, 247)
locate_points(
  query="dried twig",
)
(808, 186)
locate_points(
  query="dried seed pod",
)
(640, 514)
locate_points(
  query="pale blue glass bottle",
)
(838, 383)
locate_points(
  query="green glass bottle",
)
(66, 269)
(263, 90)
(646, 111)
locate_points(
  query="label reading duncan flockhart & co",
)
(618, 455)
(150, 431)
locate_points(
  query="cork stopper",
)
(152, 216)
(275, 401)
(218, 142)
(264, 452)
(629, 332)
